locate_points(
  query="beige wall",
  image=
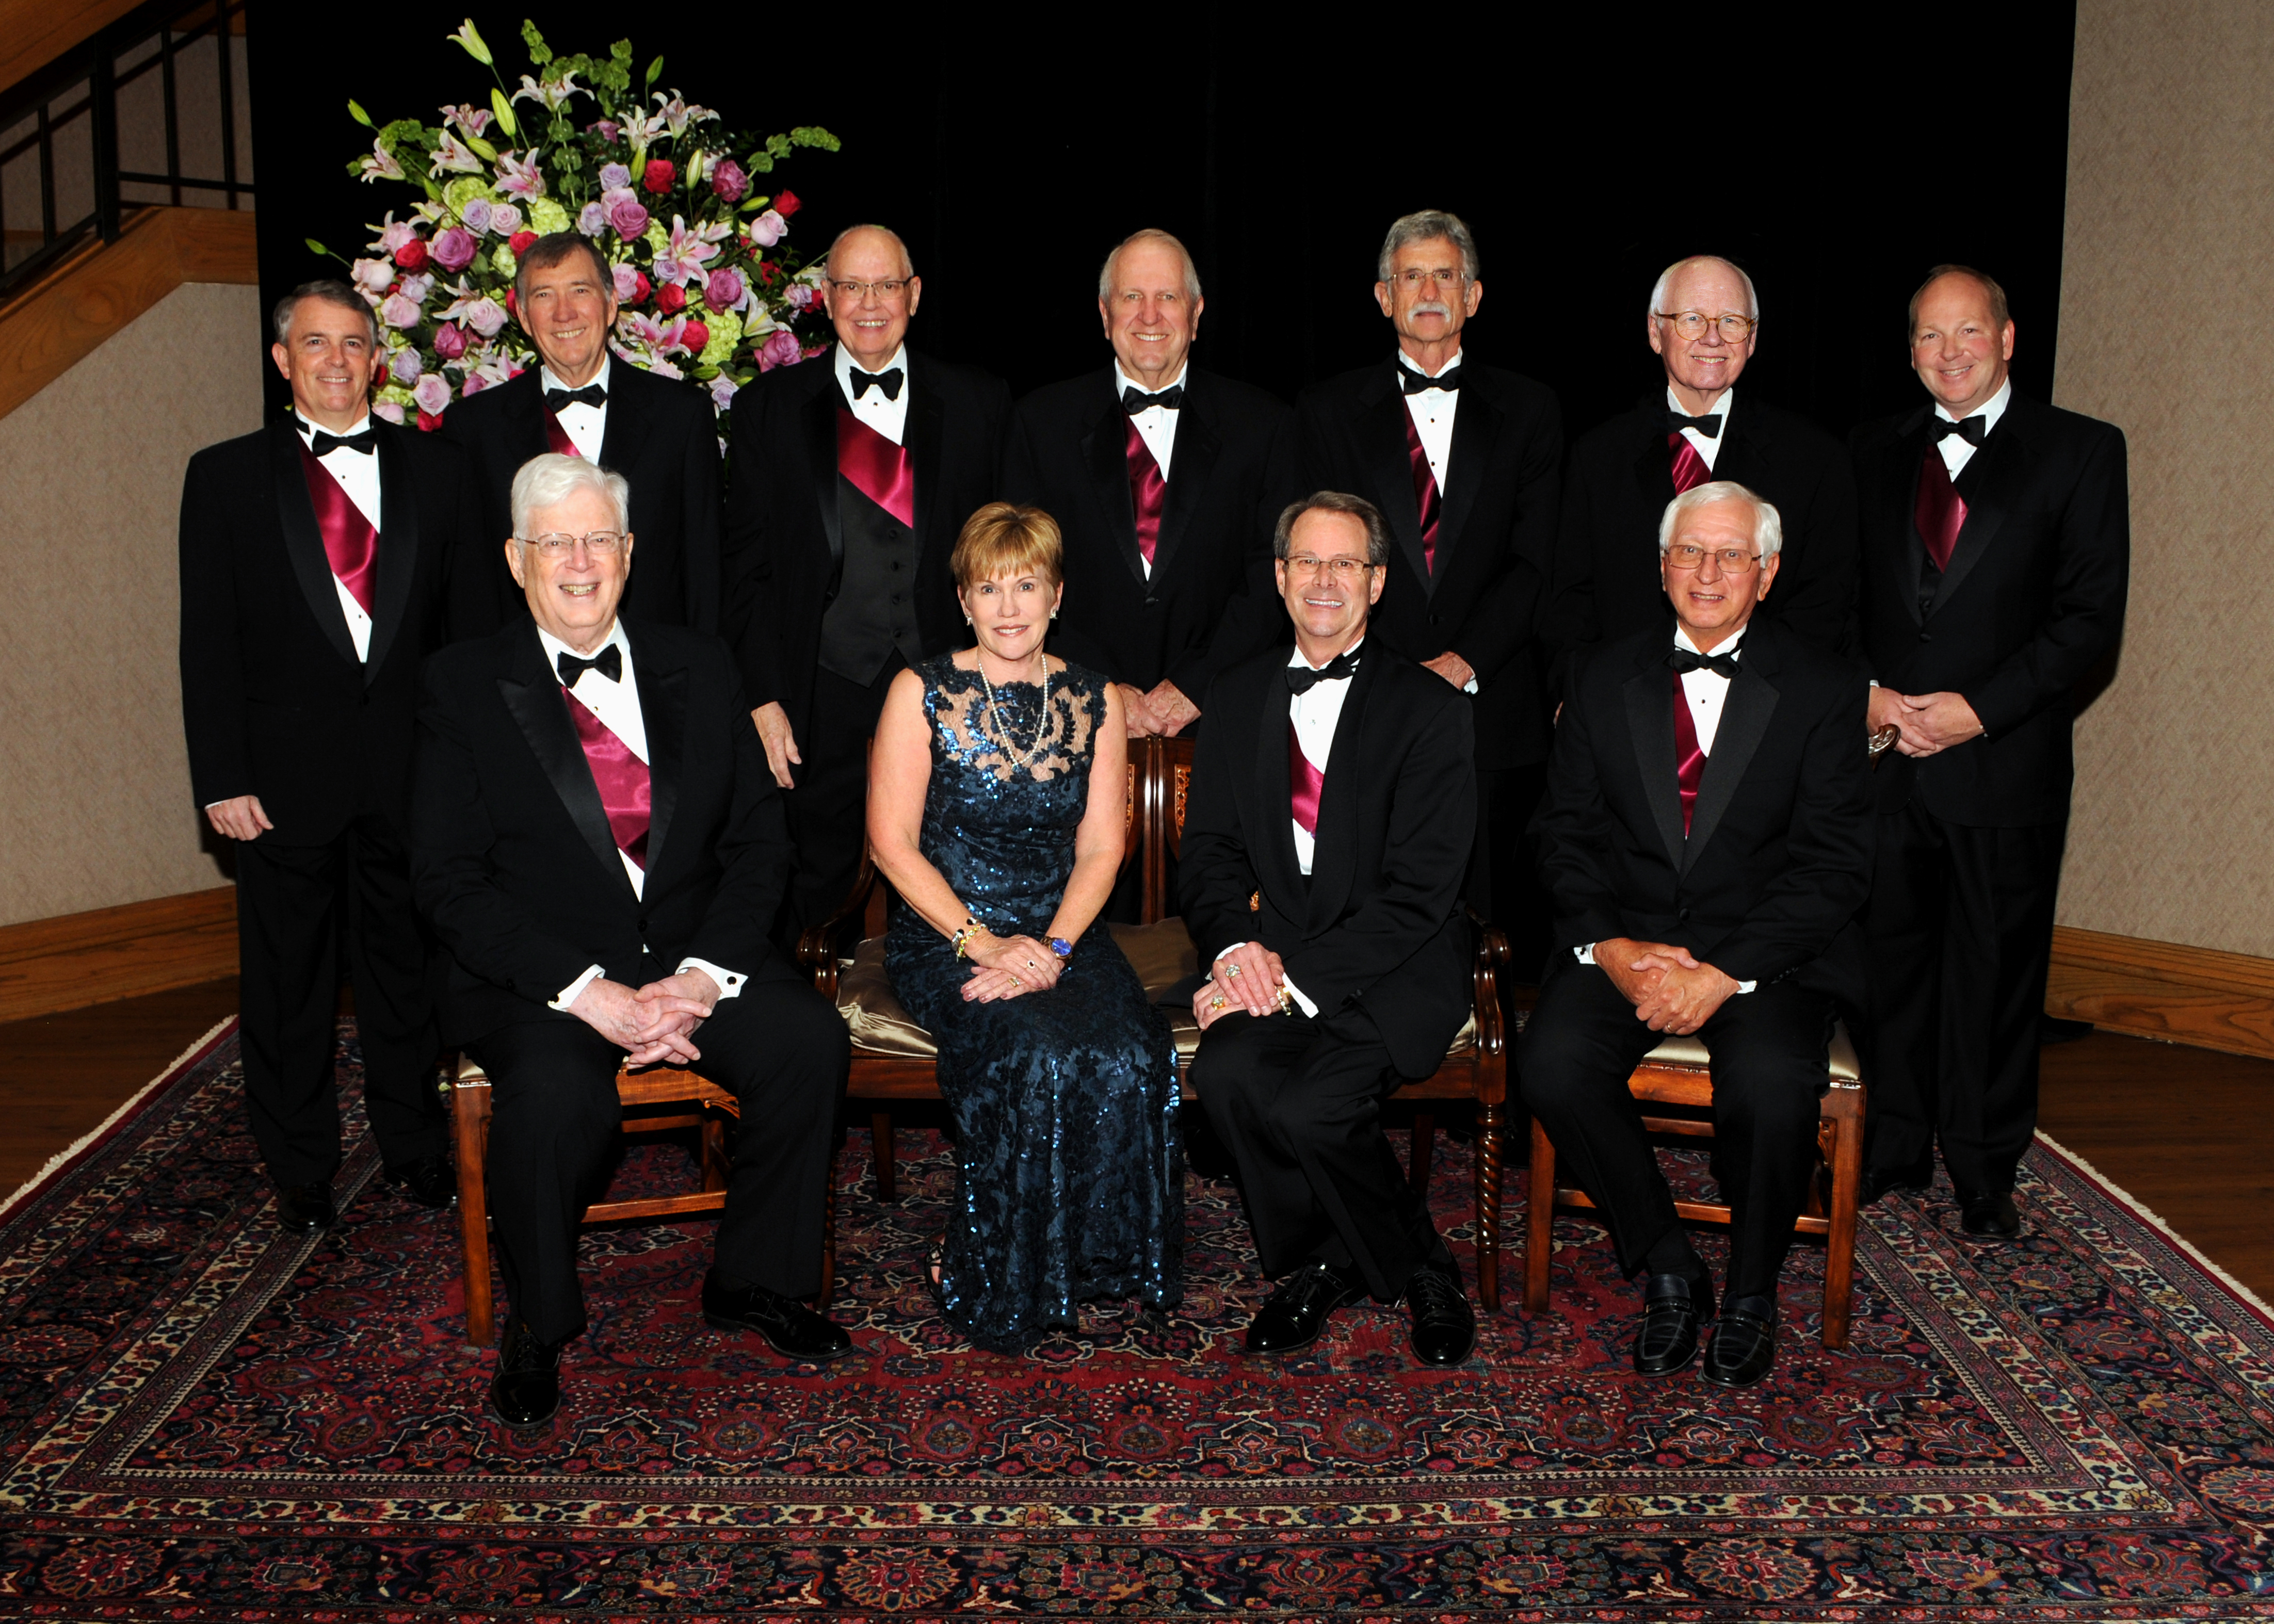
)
(97, 810)
(2167, 329)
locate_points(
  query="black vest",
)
(873, 612)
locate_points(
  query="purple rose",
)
(627, 280)
(416, 288)
(450, 341)
(614, 178)
(475, 383)
(724, 291)
(628, 218)
(455, 249)
(406, 368)
(400, 313)
(505, 219)
(432, 395)
(609, 129)
(486, 316)
(593, 220)
(476, 216)
(722, 391)
(728, 181)
(782, 349)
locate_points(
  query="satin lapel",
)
(2007, 472)
(1334, 856)
(398, 546)
(303, 542)
(1744, 721)
(663, 709)
(625, 432)
(1105, 459)
(1276, 863)
(1381, 419)
(533, 694)
(1476, 429)
(820, 419)
(1198, 446)
(927, 428)
(1650, 724)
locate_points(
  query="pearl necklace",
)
(999, 734)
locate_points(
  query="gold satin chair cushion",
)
(1691, 1051)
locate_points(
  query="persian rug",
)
(205, 1419)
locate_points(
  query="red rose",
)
(428, 422)
(787, 204)
(695, 335)
(512, 305)
(412, 255)
(659, 175)
(671, 298)
(641, 288)
(520, 242)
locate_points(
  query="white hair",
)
(1768, 524)
(1666, 280)
(549, 480)
(1150, 234)
(1426, 225)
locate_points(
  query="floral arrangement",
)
(704, 286)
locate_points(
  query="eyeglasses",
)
(1687, 555)
(1445, 277)
(1339, 569)
(599, 543)
(886, 291)
(1692, 324)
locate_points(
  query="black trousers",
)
(290, 900)
(1770, 1049)
(828, 809)
(1961, 929)
(778, 1048)
(1298, 1103)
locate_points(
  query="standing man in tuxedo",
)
(1996, 558)
(659, 433)
(1333, 808)
(854, 473)
(319, 557)
(599, 845)
(1166, 480)
(1463, 461)
(1706, 834)
(1704, 321)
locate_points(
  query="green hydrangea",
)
(502, 261)
(545, 217)
(397, 394)
(463, 191)
(659, 235)
(726, 332)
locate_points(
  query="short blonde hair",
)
(1003, 538)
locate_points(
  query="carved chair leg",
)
(1488, 1178)
(1425, 1147)
(714, 1152)
(1839, 1244)
(469, 1107)
(1539, 1220)
(881, 1151)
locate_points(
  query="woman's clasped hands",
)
(1005, 967)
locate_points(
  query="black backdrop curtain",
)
(1587, 147)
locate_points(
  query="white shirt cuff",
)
(575, 988)
(730, 984)
(1293, 991)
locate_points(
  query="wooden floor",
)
(2187, 1132)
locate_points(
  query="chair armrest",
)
(816, 945)
(1492, 957)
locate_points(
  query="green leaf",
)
(759, 163)
(503, 110)
(539, 52)
(814, 135)
(777, 145)
(356, 112)
(654, 72)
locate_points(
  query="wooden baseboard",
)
(2195, 995)
(50, 965)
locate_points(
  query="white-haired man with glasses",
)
(599, 845)
(1706, 837)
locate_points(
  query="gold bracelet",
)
(961, 940)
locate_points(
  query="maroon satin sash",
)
(879, 469)
(1689, 468)
(350, 541)
(621, 777)
(1147, 491)
(1689, 756)
(1940, 511)
(1426, 497)
(557, 437)
(1305, 782)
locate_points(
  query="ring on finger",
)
(1231, 969)
(1217, 1003)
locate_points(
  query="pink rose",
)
(450, 341)
(768, 228)
(729, 181)
(399, 312)
(432, 396)
(454, 250)
(372, 276)
(412, 255)
(780, 350)
(724, 291)
(660, 174)
(388, 409)
(628, 218)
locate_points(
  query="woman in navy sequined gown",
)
(996, 809)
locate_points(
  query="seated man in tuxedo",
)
(659, 432)
(600, 847)
(1333, 805)
(1706, 838)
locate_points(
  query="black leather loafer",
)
(1293, 1316)
(1744, 1343)
(1673, 1305)
(525, 1392)
(1878, 1181)
(1989, 1217)
(791, 1328)
(430, 1181)
(1444, 1327)
(305, 1208)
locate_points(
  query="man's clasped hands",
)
(1670, 989)
(656, 1022)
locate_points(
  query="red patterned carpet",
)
(205, 1419)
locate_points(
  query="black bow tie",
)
(1414, 382)
(889, 381)
(591, 394)
(323, 445)
(1721, 664)
(1709, 426)
(1302, 679)
(609, 662)
(1135, 400)
(1973, 430)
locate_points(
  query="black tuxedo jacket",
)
(662, 436)
(1378, 923)
(274, 701)
(2032, 601)
(1621, 479)
(1210, 600)
(1778, 858)
(1496, 532)
(511, 853)
(785, 550)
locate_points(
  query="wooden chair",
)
(894, 1059)
(656, 1100)
(1676, 1075)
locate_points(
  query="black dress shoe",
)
(1990, 1217)
(791, 1328)
(305, 1208)
(1292, 1317)
(1878, 1181)
(1444, 1329)
(1744, 1343)
(1672, 1307)
(526, 1389)
(430, 1181)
